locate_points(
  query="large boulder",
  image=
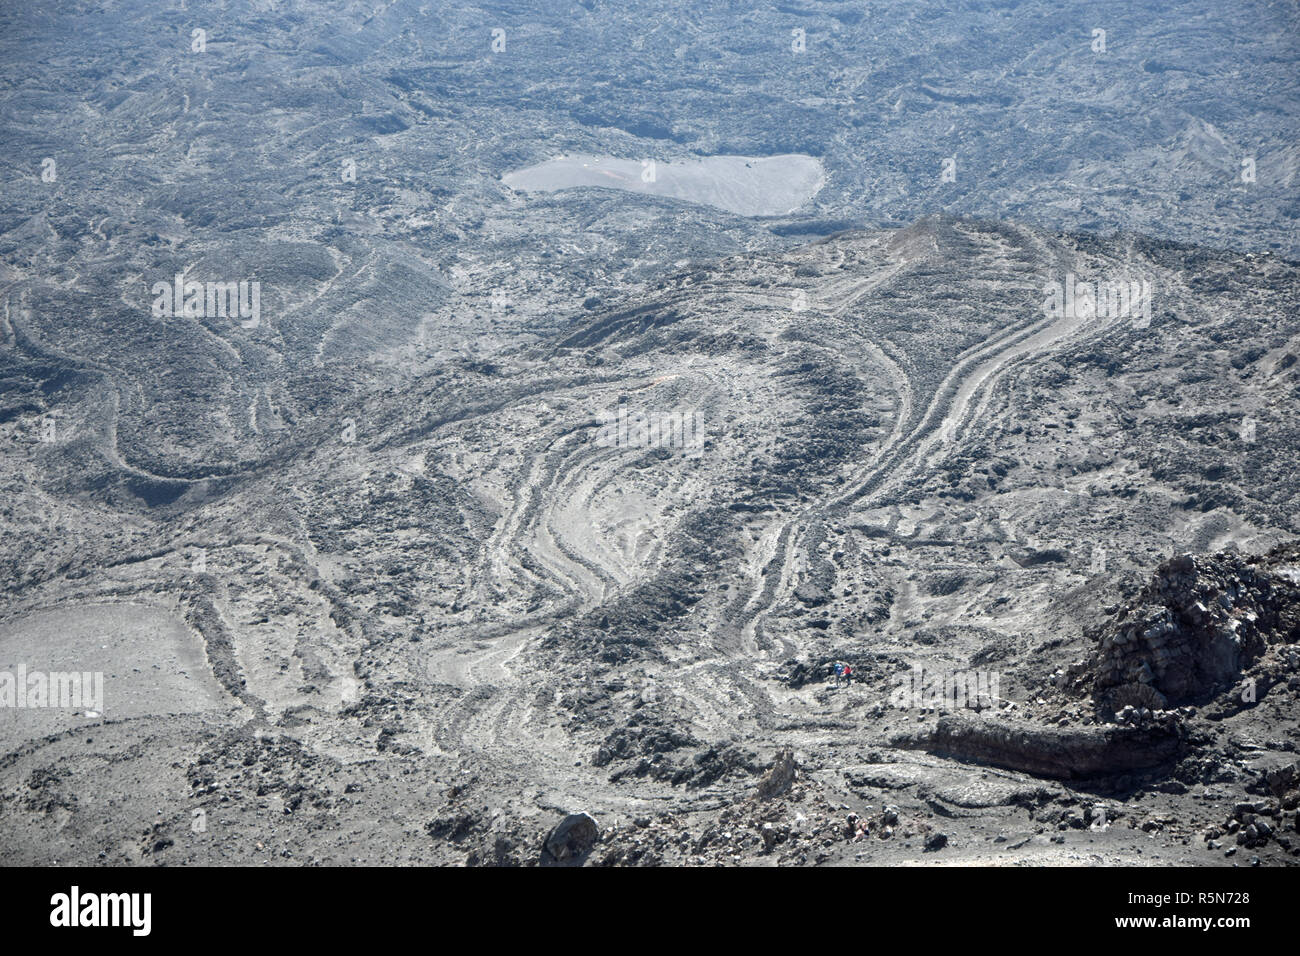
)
(571, 839)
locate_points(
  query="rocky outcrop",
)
(780, 778)
(1195, 627)
(1076, 753)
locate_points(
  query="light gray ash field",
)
(552, 395)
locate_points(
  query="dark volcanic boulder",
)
(571, 839)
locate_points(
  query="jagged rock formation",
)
(1187, 636)
(1196, 626)
(780, 777)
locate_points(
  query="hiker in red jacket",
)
(847, 675)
